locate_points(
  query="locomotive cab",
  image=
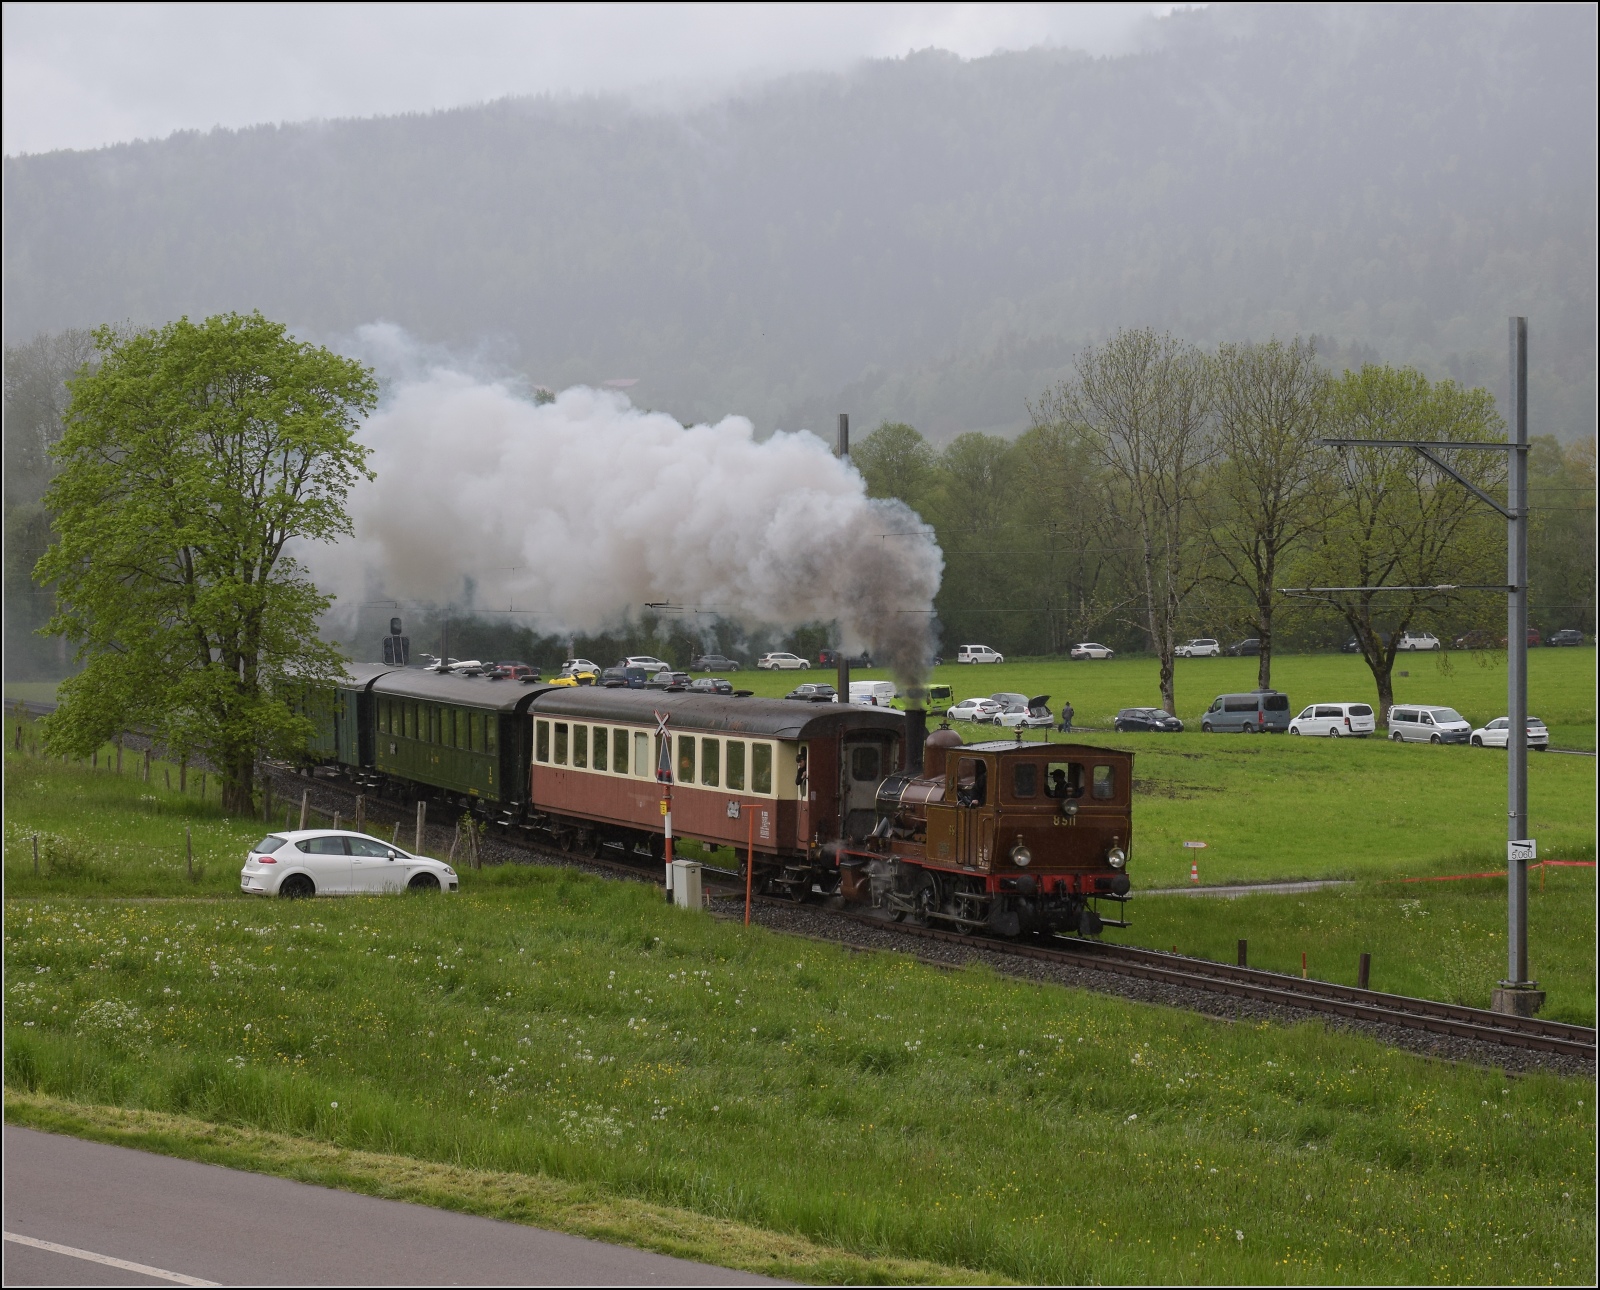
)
(1008, 837)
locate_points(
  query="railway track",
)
(1277, 988)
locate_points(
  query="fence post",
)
(266, 801)
(305, 803)
(183, 774)
(188, 849)
(1364, 971)
(361, 812)
(1244, 953)
(202, 786)
(167, 772)
(394, 838)
(35, 855)
(146, 765)
(422, 820)
(336, 818)
(119, 754)
(455, 838)
(94, 760)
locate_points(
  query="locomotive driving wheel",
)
(925, 899)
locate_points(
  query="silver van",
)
(1258, 711)
(1427, 724)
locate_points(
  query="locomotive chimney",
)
(916, 738)
(842, 451)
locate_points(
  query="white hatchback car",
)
(1204, 648)
(782, 662)
(335, 862)
(1335, 720)
(1418, 641)
(979, 654)
(974, 710)
(1495, 734)
(649, 662)
(1089, 649)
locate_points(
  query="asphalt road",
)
(128, 1218)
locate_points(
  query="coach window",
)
(601, 746)
(736, 765)
(383, 716)
(641, 754)
(561, 743)
(761, 768)
(580, 746)
(463, 729)
(490, 725)
(1105, 783)
(476, 720)
(433, 724)
(447, 727)
(710, 763)
(541, 741)
(619, 751)
(685, 759)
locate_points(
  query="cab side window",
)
(972, 782)
(1063, 779)
(1025, 779)
(1105, 783)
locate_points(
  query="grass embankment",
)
(550, 1024)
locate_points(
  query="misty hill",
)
(923, 239)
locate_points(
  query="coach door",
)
(862, 766)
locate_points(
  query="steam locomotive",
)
(833, 798)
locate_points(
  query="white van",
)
(872, 694)
(979, 654)
(1335, 720)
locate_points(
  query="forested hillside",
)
(922, 240)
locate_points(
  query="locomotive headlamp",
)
(1069, 809)
(1021, 856)
(1117, 857)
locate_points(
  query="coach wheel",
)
(423, 882)
(297, 887)
(565, 840)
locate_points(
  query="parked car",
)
(1410, 641)
(1424, 723)
(830, 658)
(1130, 720)
(1249, 647)
(935, 699)
(1351, 646)
(1533, 636)
(334, 862)
(814, 692)
(581, 665)
(669, 680)
(973, 710)
(1018, 712)
(781, 662)
(1498, 732)
(872, 694)
(513, 672)
(979, 654)
(1567, 636)
(711, 685)
(649, 662)
(1477, 638)
(624, 678)
(1257, 711)
(1205, 647)
(1089, 649)
(713, 663)
(1335, 720)
(575, 676)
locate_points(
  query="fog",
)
(581, 511)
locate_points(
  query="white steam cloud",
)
(587, 509)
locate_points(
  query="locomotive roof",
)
(451, 687)
(1012, 746)
(777, 718)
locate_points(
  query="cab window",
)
(736, 765)
(1105, 783)
(972, 782)
(1025, 779)
(1063, 779)
(710, 763)
(864, 762)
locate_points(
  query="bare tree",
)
(1142, 401)
(1271, 401)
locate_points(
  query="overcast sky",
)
(85, 75)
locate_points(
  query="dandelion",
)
(334, 1105)
(1238, 1235)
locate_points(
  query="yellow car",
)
(580, 677)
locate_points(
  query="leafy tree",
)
(1561, 537)
(1394, 520)
(195, 456)
(1270, 403)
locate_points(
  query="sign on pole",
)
(1525, 850)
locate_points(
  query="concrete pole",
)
(1517, 670)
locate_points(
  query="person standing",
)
(1066, 717)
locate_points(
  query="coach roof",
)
(775, 718)
(452, 687)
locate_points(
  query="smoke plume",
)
(586, 509)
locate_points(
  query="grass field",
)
(549, 1024)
